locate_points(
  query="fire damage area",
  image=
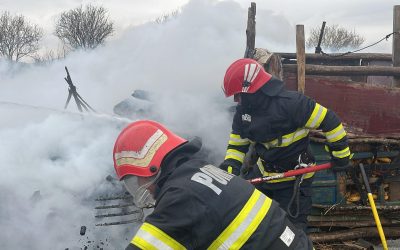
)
(364, 95)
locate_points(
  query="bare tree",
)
(335, 38)
(167, 16)
(18, 38)
(84, 28)
(50, 55)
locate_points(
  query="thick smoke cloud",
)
(54, 163)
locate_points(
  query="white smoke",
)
(54, 163)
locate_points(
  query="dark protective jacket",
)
(279, 121)
(200, 206)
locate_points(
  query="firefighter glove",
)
(340, 164)
(231, 166)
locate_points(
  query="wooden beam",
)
(251, 31)
(396, 43)
(345, 70)
(301, 58)
(363, 232)
(334, 57)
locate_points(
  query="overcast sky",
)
(370, 18)
(54, 162)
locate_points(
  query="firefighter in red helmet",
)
(196, 205)
(276, 123)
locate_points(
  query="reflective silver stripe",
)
(234, 154)
(342, 153)
(337, 135)
(288, 139)
(150, 239)
(314, 122)
(317, 116)
(238, 141)
(237, 233)
(244, 225)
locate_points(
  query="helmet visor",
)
(138, 187)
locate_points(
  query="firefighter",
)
(275, 124)
(196, 205)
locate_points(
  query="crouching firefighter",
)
(196, 205)
(276, 122)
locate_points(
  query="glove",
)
(231, 166)
(340, 164)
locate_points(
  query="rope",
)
(295, 196)
(349, 52)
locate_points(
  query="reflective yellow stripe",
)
(317, 116)
(236, 140)
(335, 134)
(235, 154)
(265, 173)
(245, 223)
(342, 153)
(151, 237)
(288, 139)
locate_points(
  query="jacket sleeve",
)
(312, 115)
(237, 146)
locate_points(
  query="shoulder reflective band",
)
(151, 237)
(245, 223)
(317, 116)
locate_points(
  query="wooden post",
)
(251, 31)
(301, 58)
(396, 43)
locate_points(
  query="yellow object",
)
(377, 221)
(384, 160)
(354, 197)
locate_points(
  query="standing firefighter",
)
(277, 122)
(196, 205)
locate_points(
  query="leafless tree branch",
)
(18, 38)
(335, 38)
(84, 28)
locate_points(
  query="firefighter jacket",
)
(278, 122)
(201, 206)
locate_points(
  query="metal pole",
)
(373, 208)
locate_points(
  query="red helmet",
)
(141, 147)
(244, 76)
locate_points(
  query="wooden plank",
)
(396, 43)
(364, 232)
(345, 70)
(251, 31)
(335, 57)
(301, 58)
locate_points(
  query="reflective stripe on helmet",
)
(244, 75)
(143, 157)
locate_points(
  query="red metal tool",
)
(290, 173)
